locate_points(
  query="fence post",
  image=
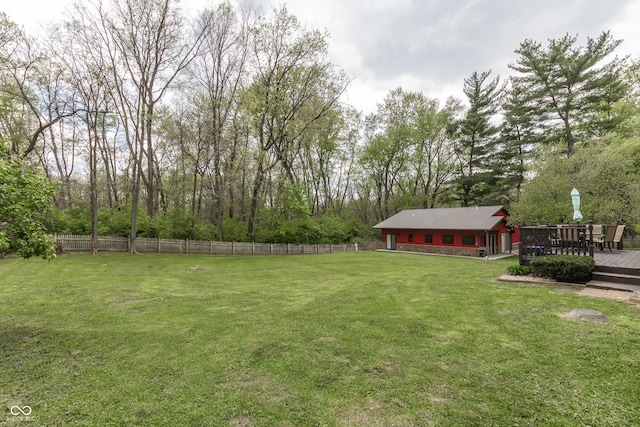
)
(158, 244)
(356, 247)
(186, 246)
(287, 248)
(253, 248)
(270, 248)
(233, 248)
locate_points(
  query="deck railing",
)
(553, 240)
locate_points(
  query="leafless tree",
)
(220, 73)
(147, 47)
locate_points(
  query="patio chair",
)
(556, 239)
(598, 235)
(571, 234)
(617, 238)
(571, 238)
(608, 237)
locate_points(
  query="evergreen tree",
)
(476, 139)
(518, 134)
(571, 93)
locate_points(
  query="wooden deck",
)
(618, 270)
(618, 259)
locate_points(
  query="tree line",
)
(229, 125)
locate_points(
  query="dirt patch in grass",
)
(532, 280)
(374, 413)
(241, 422)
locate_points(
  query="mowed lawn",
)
(356, 339)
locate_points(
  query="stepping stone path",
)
(586, 315)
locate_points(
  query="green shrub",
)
(519, 270)
(298, 232)
(564, 268)
(234, 230)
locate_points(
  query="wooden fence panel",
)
(146, 245)
(223, 248)
(262, 248)
(279, 249)
(324, 249)
(199, 247)
(311, 249)
(73, 243)
(112, 244)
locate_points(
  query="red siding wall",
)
(418, 236)
(515, 237)
(402, 236)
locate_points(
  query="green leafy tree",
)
(293, 88)
(431, 163)
(628, 108)
(386, 152)
(546, 196)
(408, 153)
(605, 173)
(25, 196)
(476, 138)
(572, 92)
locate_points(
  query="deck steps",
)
(608, 284)
(622, 278)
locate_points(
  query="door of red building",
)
(391, 242)
(492, 244)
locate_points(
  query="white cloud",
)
(425, 46)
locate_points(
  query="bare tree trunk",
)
(148, 124)
(255, 195)
(92, 130)
(135, 198)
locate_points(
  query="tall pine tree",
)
(569, 87)
(476, 138)
(518, 134)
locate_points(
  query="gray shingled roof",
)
(472, 218)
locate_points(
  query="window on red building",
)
(447, 239)
(469, 240)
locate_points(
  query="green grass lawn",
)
(356, 339)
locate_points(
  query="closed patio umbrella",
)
(575, 199)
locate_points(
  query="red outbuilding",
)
(473, 231)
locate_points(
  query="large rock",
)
(586, 315)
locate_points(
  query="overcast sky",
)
(422, 45)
